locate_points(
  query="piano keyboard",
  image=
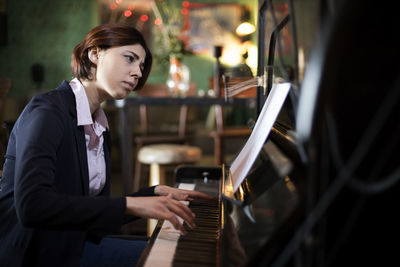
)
(198, 247)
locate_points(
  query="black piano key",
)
(199, 246)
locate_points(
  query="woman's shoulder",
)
(61, 98)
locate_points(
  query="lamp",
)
(245, 28)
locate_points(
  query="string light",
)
(128, 13)
(157, 21)
(144, 17)
(113, 6)
(185, 11)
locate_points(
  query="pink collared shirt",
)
(95, 156)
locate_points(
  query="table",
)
(126, 121)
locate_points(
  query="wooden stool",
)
(160, 155)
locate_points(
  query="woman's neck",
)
(92, 94)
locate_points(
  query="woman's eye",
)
(130, 59)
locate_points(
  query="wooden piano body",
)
(337, 205)
(236, 227)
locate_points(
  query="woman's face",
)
(118, 70)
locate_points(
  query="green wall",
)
(46, 31)
(43, 31)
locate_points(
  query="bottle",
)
(178, 78)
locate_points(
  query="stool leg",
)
(157, 176)
(151, 224)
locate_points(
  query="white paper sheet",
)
(243, 162)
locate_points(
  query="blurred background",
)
(37, 38)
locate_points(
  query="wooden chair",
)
(148, 137)
(5, 86)
(222, 133)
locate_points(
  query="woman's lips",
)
(130, 85)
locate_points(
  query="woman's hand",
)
(179, 194)
(162, 208)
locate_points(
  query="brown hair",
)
(105, 36)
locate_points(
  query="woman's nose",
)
(136, 71)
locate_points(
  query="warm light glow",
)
(185, 11)
(113, 6)
(119, 1)
(245, 29)
(131, 7)
(128, 13)
(302, 63)
(158, 21)
(185, 3)
(231, 55)
(144, 17)
(252, 57)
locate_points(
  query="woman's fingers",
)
(189, 195)
(164, 208)
(173, 219)
(197, 194)
(182, 211)
(180, 194)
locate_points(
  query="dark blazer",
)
(45, 211)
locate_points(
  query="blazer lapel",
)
(82, 154)
(80, 146)
(107, 153)
(79, 134)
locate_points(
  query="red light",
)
(185, 11)
(185, 3)
(113, 6)
(127, 13)
(144, 17)
(131, 7)
(119, 1)
(157, 21)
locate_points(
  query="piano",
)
(243, 227)
(318, 193)
(248, 226)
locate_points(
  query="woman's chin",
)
(122, 95)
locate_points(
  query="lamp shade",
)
(245, 28)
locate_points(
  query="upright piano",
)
(244, 227)
(251, 225)
(323, 192)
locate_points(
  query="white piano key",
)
(162, 252)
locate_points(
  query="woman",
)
(56, 177)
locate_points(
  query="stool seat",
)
(169, 154)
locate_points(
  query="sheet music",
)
(243, 162)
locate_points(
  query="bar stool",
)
(158, 156)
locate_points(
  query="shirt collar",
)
(84, 117)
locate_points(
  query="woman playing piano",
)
(55, 192)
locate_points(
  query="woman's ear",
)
(93, 55)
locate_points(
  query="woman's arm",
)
(47, 196)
